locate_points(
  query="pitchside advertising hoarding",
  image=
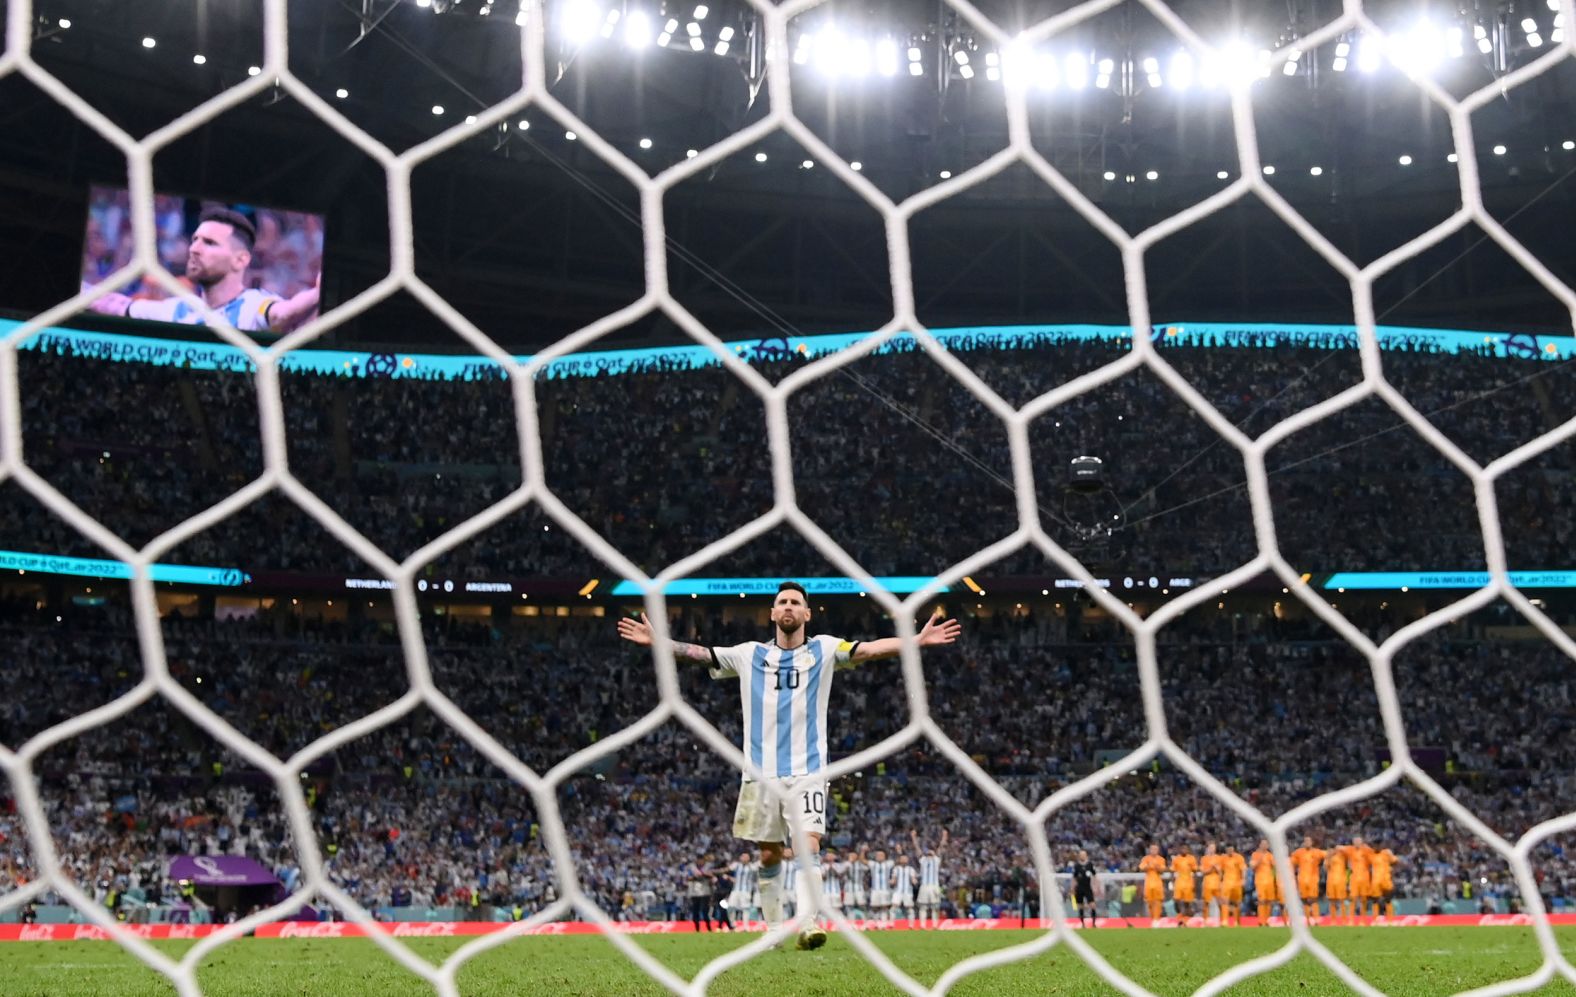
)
(460, 929)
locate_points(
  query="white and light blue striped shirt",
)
(903, 878)
(247, 311)
(744, 877)
(930, 870)
(784, 694)
(881, 875)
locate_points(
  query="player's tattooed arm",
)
(639, 632)
(934, 633)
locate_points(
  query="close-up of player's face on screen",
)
(216, 252)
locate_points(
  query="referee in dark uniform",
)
(1083, 887)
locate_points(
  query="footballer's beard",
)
(789, 625)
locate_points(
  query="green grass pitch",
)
(1406, 961)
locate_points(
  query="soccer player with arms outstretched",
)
(784, 688)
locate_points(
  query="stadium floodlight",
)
(760, 157)
(961, 56)
(721, 48)
(199, 59)
(341, 93)
(1232, 64)
(808, 164)
(637, 29)
(1455, 46)
(692, 29)
(1222, 175)
(1102, 75)
(915, 69)
(148, 42)
(1315, 171)
(856, 166)
(1418, 50)
(701, 11)
(914, 54)
(571, 136)
(1109, 175)
(253, 70)
(1535, 40)
(1452, 158)
(945, 174)
(1529, 25)
(525, 125)
(437, 110)
(1269, 171)
(65, 24)
(992, 73)
(967, 72)
(1152, 72)
(1290, 68)
(698, 44)
(1182, 70)
(1568, 145)
(1405, 160)
(691, 153)
(424, 3)
(1499, 150)
(470, 119)
(1077, 65)
(1152, 175)
(580, 21)
(645, 143)
(726, 34)
(1554, 4)
(1368, 55)
(610, 22)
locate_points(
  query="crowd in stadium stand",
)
(662, 462)
(414, 815)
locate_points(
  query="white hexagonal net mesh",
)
(158, 682)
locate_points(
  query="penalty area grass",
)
(1402, 961)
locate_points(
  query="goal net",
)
(527, 405)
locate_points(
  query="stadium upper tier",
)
(662, 453)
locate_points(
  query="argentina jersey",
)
(246, 312)
(784, 693)
(930, 870)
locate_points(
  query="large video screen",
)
(260, 268)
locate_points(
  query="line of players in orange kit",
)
(1357, 881)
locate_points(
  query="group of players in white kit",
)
(866, 885)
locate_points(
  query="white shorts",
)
(881, 898)
(857, 898)
(738, 902)
(903, 898)
(930, 895)
(834, 899)
(759, 817)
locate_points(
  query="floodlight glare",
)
(698, 44)
(701, 12)
(808, 164)
(341, 93)
(610, 23)
(1338, 65)
(571, 136)
(692, 29)
(637, 29)
(1405, 160)
(914, 54)
(760, 157)
(1499, 150)
(1535, 40)
(1103, 70)
(1485, 46)
(691, 153)
(581, 18)
(856, 166)
(962, 57)
(992, 73)
(1367, 55)
(148, 43)
(967, 72)
(1568, 145)
(1452, 158)
(65, 24)
(199, 59)
(645, 143)
(1315, 171)
(858, 58)
(915, 69)
(1109, 175)
(1269, 171)
(1182, 70)
(253, 70)
(437, 109)
(945, 174)
(721, 49)
(726, 34)
(1152, 175)
(1455, 42)
(1077, 71)
(1529, 25)
(1222, 175)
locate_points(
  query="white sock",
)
(772, 895)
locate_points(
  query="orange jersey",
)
(1152, 866)
(1307, 862)
(1361, 860)
(1234, 868)
(1211, 865)
(1382, 861)
(1263, 863)
(1183, 866)
(1335, 882)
